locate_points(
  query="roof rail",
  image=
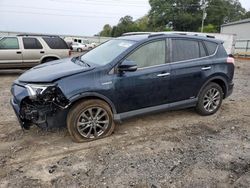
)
(37, 35)
(156, 35)
(136, 33)
(190, 34)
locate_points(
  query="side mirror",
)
(127, 66)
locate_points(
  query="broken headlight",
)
(35, 90)
(47, 93)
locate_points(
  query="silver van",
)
(29, 50)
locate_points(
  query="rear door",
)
(32, 50)
(149, 85)
(190, 67)
(10, 52)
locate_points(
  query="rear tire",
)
(79, 50)
(90, 120)
(46, 60)
(209, 100)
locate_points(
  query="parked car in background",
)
(83, 41)
(77, 47)
(125, 77)
(92, 45)
(29, 50)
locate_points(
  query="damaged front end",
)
(41, 104)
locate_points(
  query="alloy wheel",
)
(212, 100)
(93, 122)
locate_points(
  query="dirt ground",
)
(172, 149)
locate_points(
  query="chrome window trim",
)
(177, 62)
(153, 66)
(197, 58)
(183, 60)
(147, 42)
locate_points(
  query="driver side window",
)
(150, 54)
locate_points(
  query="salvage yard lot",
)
(171, 149)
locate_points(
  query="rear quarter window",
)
(211, 47)
(55, 43)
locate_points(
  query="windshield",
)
(106, 52)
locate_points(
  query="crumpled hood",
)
(52, 71)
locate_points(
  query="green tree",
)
(107, 30)
(247, 15)
(186, 15)
(223, 11)
(181, 15)
(210, 28)
(142, 23)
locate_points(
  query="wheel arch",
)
(49, 56)
(93, 95)
(218, 79)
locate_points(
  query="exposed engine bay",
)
(43, 103)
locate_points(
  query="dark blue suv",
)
(124, 77)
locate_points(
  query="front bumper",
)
(30, 112)
(16, 109)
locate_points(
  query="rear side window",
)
(185, 49)
(202, 50)
(9, 43)
(55, 43)
(150, 54)
(211, 47)
(31, 43)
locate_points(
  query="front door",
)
(10, 52)
(149, 85)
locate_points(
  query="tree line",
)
(180, 15)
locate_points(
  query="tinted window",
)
(185, 49)
(55, 42)
(211, 47)
(31, 43)
(150, 54)
(202, 50)
(9, 43)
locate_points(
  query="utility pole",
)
(204, 14)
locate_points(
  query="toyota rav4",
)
(124, 77)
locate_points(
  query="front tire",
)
(90, 120)
(210, 99)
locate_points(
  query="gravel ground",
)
(172, 149)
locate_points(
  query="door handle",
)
(18, 52)
(206, 68)
(42, 52)
(163, 74)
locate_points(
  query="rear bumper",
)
(230, 90)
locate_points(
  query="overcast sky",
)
(75, 17)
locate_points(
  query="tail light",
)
(230, 60)
(70, 53)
